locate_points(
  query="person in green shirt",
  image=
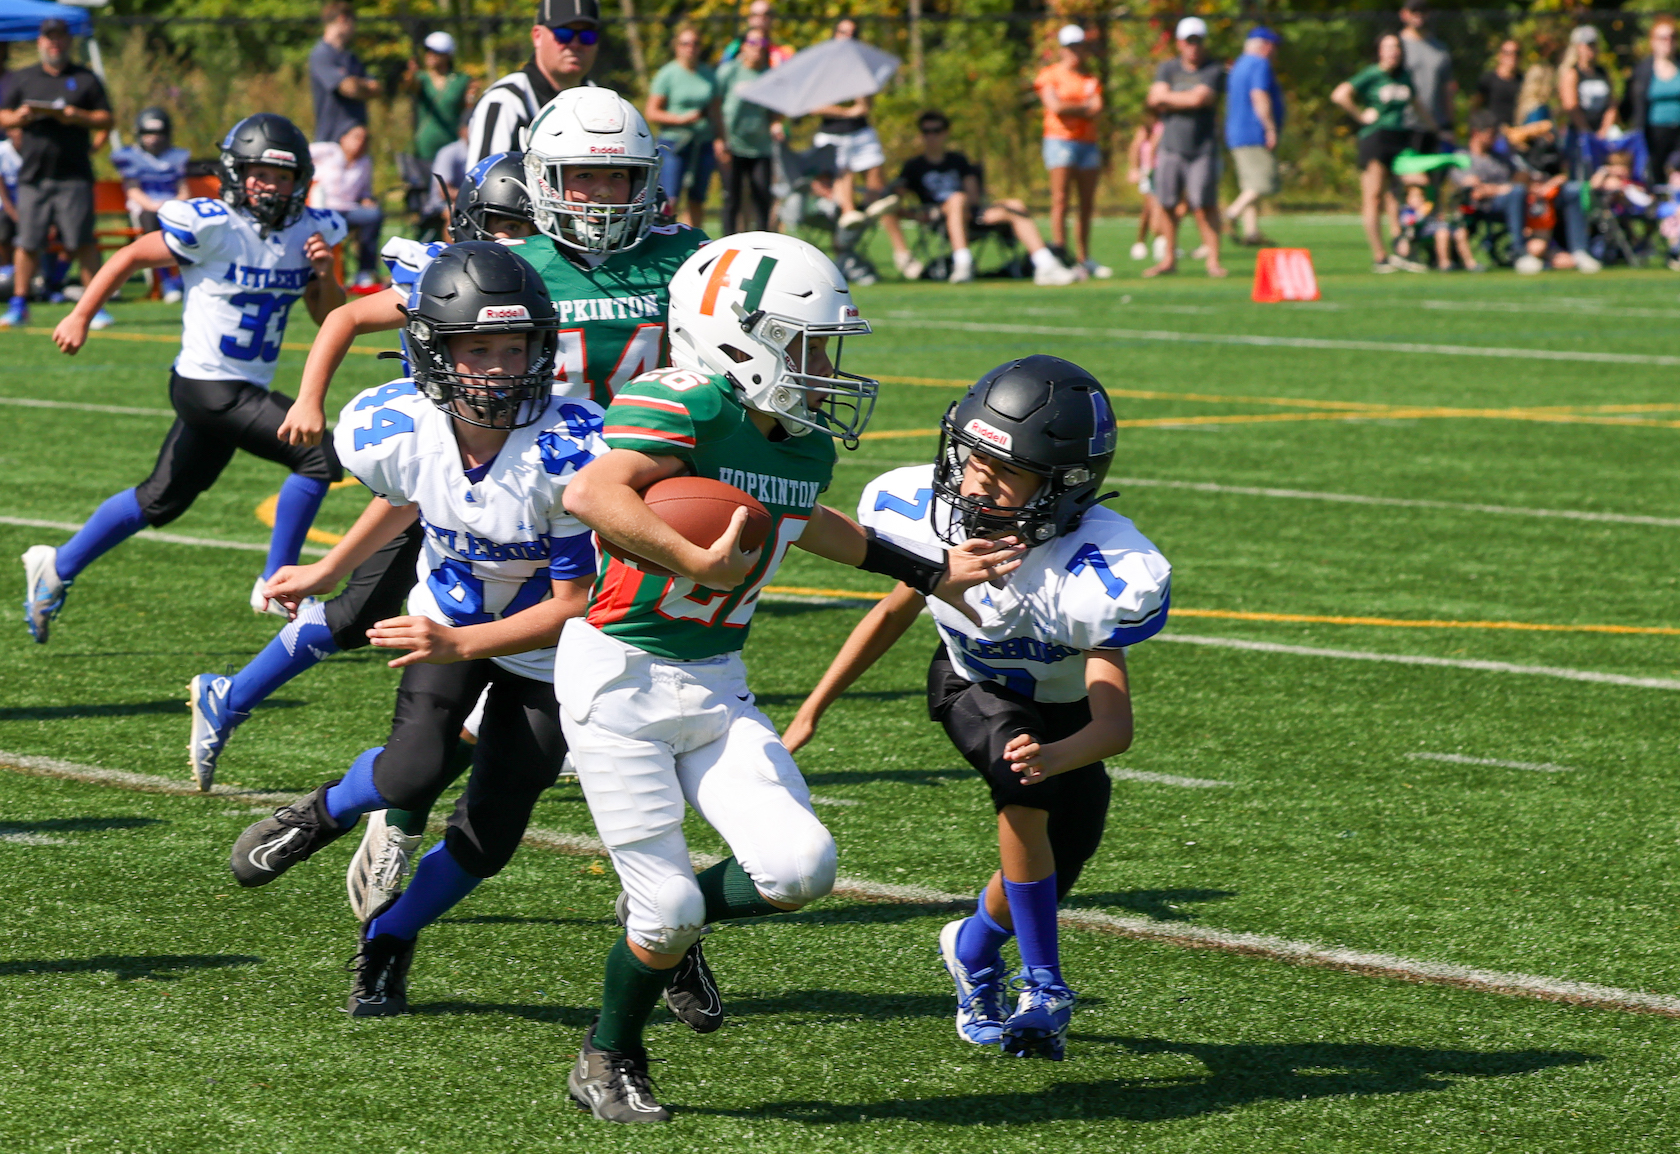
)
(683, 109)
(1378, 98)
(441, 95)
(654, 702)
(746, 148)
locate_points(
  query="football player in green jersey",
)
(653, 695)
(588, 229)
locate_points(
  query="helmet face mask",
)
(1042, 415)
(482, 288)
(494, 188)
(591, 128)
(836, 402)
(272, 140)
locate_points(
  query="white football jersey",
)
(240, 288)
(1102, 586)
(492, 545)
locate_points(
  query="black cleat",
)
(692, 997)
(381, 968)
(614, 1087)
(272, 846)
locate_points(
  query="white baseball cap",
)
(1070, 35)
(442, 43)
(1191, 26)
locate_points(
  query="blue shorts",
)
(1071, 154)
(686, 167)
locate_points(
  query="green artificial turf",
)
(151, 1005)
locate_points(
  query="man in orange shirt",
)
(1072, 98)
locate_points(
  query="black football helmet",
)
(482, 287)
(153, 120)
(266, 138)
(1042, 414)
(494, 187)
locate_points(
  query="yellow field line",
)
(265, 514)
(803, 591)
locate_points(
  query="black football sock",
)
(730, 894)
(628, 995)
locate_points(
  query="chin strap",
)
(903, 562)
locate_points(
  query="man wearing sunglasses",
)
(564, 41)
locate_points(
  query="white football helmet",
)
(747, 307)
(591, 127)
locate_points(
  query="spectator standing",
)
(1430, 65)
(760, 17)
(857, 149)
(11, 163)
(58, 104)
(564, 42)
(441, 95)
(1378, 98)
(746, 148)
(1500, 85)
(1586, 92)
(1185, 93)
(344, 183)
(1654, 94)
(1073, 99)
(153, 171)
(338, 80)
(683, 109)
(1140, 170)
(1253, 119)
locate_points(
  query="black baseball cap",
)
(53, 26)
(555, 13)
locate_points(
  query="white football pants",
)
(647, 734)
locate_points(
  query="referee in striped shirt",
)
(564, 41)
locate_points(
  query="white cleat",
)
(43, 592)
(379, 866)
(261, 604)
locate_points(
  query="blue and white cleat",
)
(43, 592)
(101, 320)
(979, 992)
(1038, 1027)
(15, 316)
(213, 722)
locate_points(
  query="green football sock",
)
(627, 998)
(731, 894)
(413, 821)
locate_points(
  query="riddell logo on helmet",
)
(991, 436)
(504, 313)
(279, 156)
(614, 149)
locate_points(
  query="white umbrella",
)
(832, 72)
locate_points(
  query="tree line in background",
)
(211, 61)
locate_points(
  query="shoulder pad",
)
(193, 229)
(1116, 586)
(895, 501)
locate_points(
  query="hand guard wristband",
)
(889, 558)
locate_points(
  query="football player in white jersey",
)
(246, 259)
(1031, 685)
(479, 450)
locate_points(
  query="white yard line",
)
(1142, 929)
(1413, 659)
(1400, 502)
(120, 410)
(1576, 308)
(1460, 759)
(154, 535)
(1167, 779)
(1322, 343)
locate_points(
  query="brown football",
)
(699, 508)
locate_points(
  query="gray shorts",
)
(1194, 180)
(66, 203)
(1257, 169)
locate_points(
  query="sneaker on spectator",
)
(171, 296)
(1100, 271)
(1199, 252)
(908, 266)
(1528, 264)
(851, 219)
(960, 273)
(881, 205)
(1054, 275)
(16, 316)
(1140, 251)
(101, 320)
(1475, 267)
(1586, 262)
(1382, 267)
(1405, 265)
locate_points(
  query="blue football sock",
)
(1032, 907)
(438, 884)
(355, 794)
(980, 939)
(114, 522)
(299, 646)
(300, 500)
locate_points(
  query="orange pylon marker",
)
(1284, 274)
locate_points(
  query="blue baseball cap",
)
(1261, 32)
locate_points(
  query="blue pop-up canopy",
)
(21, 19)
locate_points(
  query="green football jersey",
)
(678, 413)
(612, 316)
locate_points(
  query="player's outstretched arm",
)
(880, 628)
(323, 294)
(147, 252)
(606, 495)
(1108, 734)
(535, 628)
(379, 523)
(306, 420)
